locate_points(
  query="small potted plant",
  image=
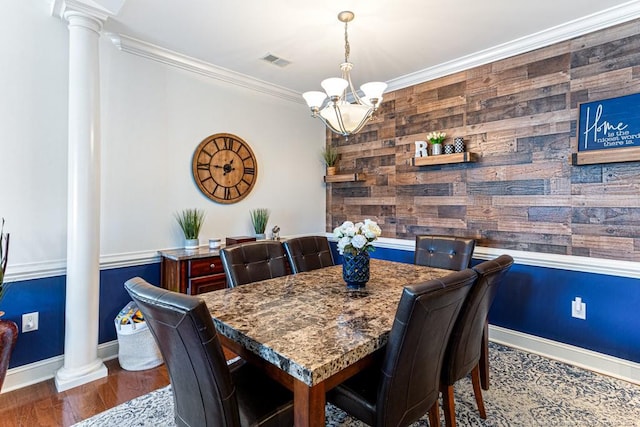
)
(190, 221)
(259, 219)
(435, 139)
(330, 156)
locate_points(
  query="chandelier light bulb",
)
(314, 98)
(334, 86)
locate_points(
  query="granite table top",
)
(309, 324)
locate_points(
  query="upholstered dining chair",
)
(404, 382)
(206, 391)
(308, 253)
(465, 345)
(448, 252)
(254, 261)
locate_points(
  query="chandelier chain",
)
(347, 48)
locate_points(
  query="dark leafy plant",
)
(190, 221)
(330, 155)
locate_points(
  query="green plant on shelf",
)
(259, 219)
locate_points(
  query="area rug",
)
(526, 390)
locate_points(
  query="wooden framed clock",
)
(224, 168)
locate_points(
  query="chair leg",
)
(434, 415)
(477, 391)
(448, 406)
(484, 357)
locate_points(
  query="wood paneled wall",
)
(519, 116)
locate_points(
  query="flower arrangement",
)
(436, 137)
(356, 238)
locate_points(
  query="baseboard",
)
(576, 356)
(43, 370)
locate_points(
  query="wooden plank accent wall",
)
(518, 116)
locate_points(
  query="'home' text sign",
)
(610, 123)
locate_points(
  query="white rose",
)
(359, 241)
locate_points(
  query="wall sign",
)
(610, 123)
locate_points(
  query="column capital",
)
(99, 10)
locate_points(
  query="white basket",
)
(137, 349)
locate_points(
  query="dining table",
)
(309, 331)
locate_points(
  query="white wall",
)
(153, 118)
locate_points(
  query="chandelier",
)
(338, 114)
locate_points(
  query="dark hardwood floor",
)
(41, 405)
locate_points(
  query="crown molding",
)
(178, 60)
(597, 21)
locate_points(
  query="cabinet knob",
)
(212, 266)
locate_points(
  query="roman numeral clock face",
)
(224, 168)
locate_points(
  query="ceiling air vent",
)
(275, 60)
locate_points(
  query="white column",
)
(81, 362)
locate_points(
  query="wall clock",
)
(224, 168)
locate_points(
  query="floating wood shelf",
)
(611, 155)
(347, 177)
(444, 159)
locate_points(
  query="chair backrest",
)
(417, 342)
(465, 344)
(308, 253)
(252, 262)
(449, 252)
(203, 391)
(8, 338)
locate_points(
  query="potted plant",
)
(330, 156)
(259, 219)
(190, 221)
(435, 139)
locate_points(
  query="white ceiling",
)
(389, 38)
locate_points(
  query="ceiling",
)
(389, 38)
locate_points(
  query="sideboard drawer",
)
(205, 266)
(207, 284)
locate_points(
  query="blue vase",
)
(355, 269)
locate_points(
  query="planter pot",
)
(8, 338)
(331, 170)
(436, 149)
(260, 236)
(191, 244)
(355, 269)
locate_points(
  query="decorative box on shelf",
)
(444, 159)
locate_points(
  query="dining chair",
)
(254, 261)
(404, 382)
(448, 252)
(465, 345)
(308, 253)
(206, 391)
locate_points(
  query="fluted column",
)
(81, 362)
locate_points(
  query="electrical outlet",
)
(30, 322)
(578, 309)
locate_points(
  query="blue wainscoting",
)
(534, 300)
(47, 296)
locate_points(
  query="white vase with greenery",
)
(259, 219)
(190, 221)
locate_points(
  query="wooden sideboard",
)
(192, 272)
